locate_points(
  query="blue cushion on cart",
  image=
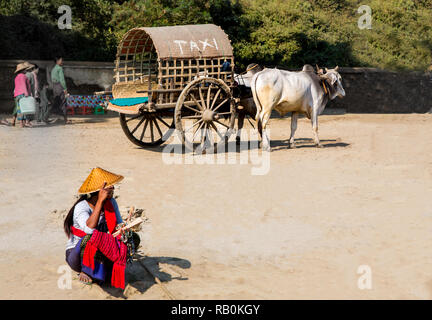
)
(129, 101)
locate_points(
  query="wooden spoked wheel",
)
(149, 128)
(205, 115)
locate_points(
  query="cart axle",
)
(209, 115)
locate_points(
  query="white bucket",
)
(27, 105)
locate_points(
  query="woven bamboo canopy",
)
(188, 41)
(169, 57)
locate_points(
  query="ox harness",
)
(326, 91)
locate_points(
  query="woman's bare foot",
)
(85, 278)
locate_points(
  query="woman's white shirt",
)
(81, 214)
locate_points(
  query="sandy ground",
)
(215, 231)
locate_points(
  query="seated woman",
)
(91, 249)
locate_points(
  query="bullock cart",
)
(178, 77)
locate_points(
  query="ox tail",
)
(255, 97)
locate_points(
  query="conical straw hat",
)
(96, 179)
(23, 66)
(20, 66)
(28, 64)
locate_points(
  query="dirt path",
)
(300, 231)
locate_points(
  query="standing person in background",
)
(32, 75)
(59, 88)
(22, 89)
(45, 105)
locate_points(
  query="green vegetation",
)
(286, 33)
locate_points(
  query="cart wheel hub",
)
(208, 115)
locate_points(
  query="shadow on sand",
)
(278, 145)
(73, 120)
(141, 273)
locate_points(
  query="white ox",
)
(297, 92)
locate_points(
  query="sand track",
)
(300, 231)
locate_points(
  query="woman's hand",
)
(105, 193)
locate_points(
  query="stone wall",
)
(367, 90)
(375, 91)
